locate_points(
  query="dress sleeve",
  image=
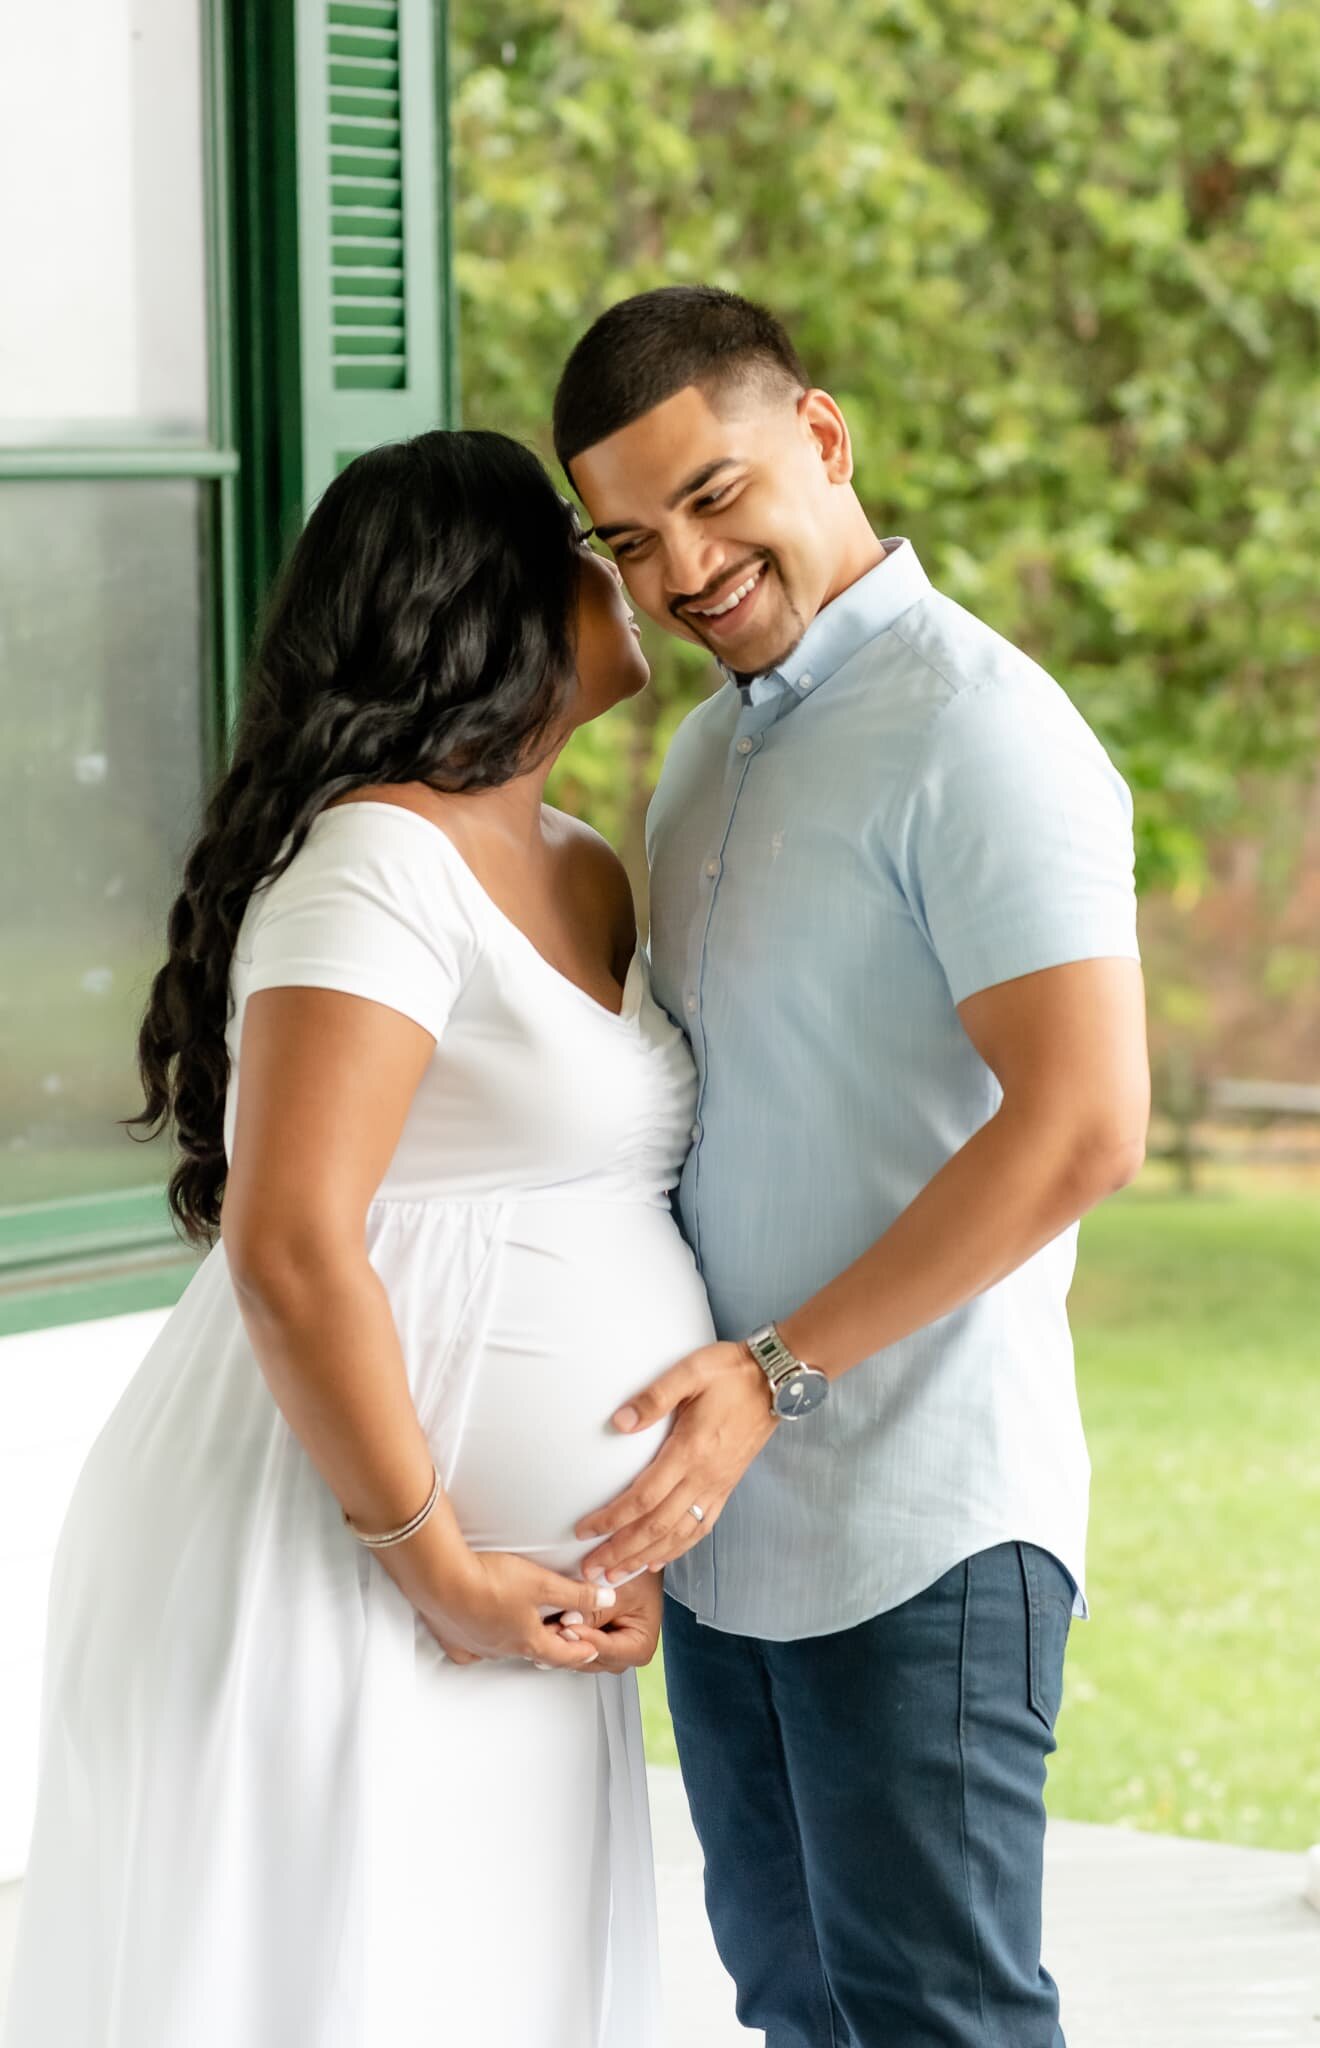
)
(1019, 845)
(367, 907)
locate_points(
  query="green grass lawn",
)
(1192, 1702)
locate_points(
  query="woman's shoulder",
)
(381, 860)
(594, 871)
(582, 842)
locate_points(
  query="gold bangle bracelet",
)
(409, 1528)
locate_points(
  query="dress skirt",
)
(270, 1811)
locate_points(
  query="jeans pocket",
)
(1047, 1594)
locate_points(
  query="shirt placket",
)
(748, 739)
(746, 744)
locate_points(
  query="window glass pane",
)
(103, 667)
(102, 220)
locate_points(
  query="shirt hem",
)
(868, 1609)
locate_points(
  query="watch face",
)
(800, 1393)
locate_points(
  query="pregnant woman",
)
(337, 1750)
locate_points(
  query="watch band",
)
(795, 1388)
(772, 1354)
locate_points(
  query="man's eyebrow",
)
(685, 490)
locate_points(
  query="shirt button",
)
(745, 746)
(807, 682)
(690, 1005)
(695, 1133)
(712, 867)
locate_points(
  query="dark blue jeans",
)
(870, 1809)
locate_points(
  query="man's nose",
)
(692, 562)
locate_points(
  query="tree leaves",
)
(1059, 265)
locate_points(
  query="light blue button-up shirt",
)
(906, 811)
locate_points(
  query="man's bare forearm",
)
(1021, 1180)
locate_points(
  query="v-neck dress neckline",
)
(628, 992)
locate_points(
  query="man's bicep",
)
(1070, 1038)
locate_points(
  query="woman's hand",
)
(629, 1634)
(496, 1604)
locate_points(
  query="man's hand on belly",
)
(722, 1419)
(630, 1636)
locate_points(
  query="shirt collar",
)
(857, 615)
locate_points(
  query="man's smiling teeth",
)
(716, 611)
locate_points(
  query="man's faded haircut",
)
(646, 348)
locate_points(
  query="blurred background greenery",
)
(1060, 264)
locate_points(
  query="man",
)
(892, 906)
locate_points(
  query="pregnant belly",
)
(592, 1301)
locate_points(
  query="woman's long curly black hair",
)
(422, 631)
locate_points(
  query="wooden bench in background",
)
(1198, 1113)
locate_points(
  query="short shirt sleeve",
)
(1019, 843)
(368, 907)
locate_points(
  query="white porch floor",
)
(1156, 1943)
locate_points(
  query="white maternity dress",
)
(270, 1813)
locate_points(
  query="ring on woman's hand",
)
(700, 1513)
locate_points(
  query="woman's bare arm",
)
(326, 1084)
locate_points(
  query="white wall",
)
(102, 333)
(103, 321)
(57, 1388)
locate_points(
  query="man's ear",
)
(829, 430)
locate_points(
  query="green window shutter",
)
(370, 256)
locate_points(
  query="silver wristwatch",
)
(795, 1388)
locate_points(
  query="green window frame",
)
(331, 329)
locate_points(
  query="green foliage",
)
(1187, 1696)
(1060, 264)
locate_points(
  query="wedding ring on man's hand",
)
(700, 1513)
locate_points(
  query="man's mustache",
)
(725, 577)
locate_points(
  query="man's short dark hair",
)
(640, 352)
